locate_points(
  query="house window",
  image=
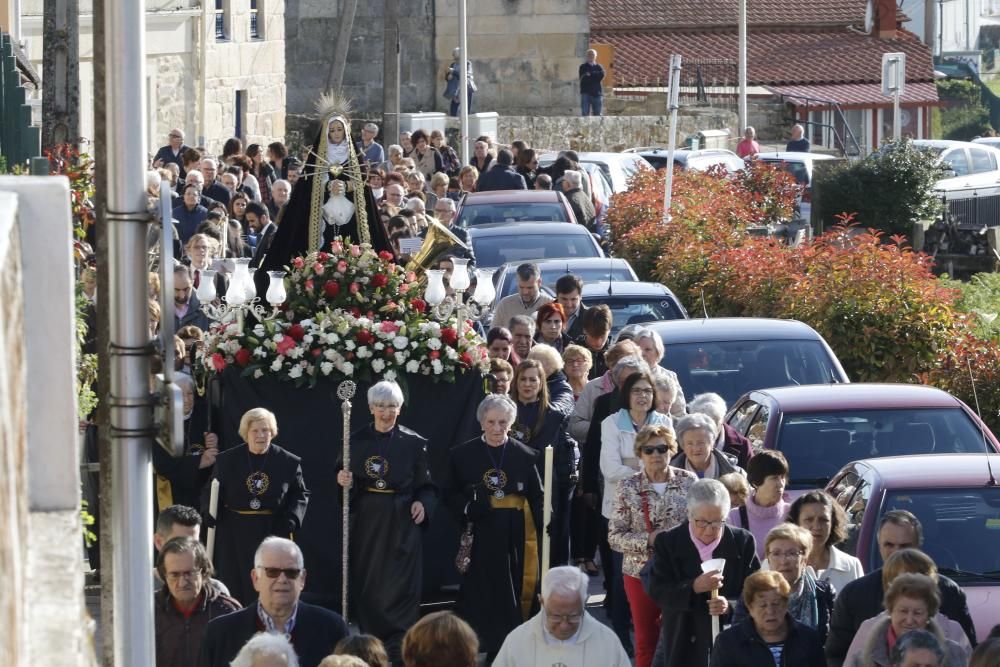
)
(240, 116)
(220, 20)
(256, 20)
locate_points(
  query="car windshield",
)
(819, 444)
(798, 170)
(481, 214)
(497, 250)
(637, 310)
(732, 368)
(961, 528)
(551, 275)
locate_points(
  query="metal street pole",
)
(390, 74)
(130, 398)
(463, 95)
(744, 120)
(897, 117)
(675, 90)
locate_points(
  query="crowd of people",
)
(704, 559)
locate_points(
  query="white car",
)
(800, 166)
(965, 164)
(617, 167)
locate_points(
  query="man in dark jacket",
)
(172, 152)
(862, 598)
(279, 576)
(187, 307)
(213, 189)
(583, 208)
(591, 90)
(568, 295)
(186, 604)
(501, 176)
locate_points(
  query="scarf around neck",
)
(803, 605)
(705, 551)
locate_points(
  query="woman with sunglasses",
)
(391, 497)
(646, 504)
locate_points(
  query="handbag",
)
(463, 559)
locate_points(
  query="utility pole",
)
(335, 77)
(390, 76)
(744, 121)
(673, 103)
(463, 87)
(61, 73)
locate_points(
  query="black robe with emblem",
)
(240, 528)
(386, 559)
(492, 590)
(179, 481)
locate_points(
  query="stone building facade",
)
(213, 86)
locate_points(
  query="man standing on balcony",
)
(591, 90)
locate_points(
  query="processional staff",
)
(345, 392)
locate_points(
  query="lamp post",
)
(444, 306)
(241, 295)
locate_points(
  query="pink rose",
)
(341, 266)
(388, 326)
(298, 262)
(285, 345)
(355, 251)
(404, 288)
(318, 269)
(354, 288)
(218, 362)
(337, 247)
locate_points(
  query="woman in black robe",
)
(179, 480)
(261, 493)
(494, 486)
(391, 505)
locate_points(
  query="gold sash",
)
(530, 576)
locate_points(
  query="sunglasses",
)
(273, 572)
(658, 449)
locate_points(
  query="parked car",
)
(589, 270)
(964, 164)
(821, 427)
(800, 166)
(633, 302)
(617, 167)
(481, 208)
(733, 355)
(698, 160)
(957, 500)
(496, 244)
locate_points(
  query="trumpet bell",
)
(437, 242)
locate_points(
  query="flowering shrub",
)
(351, 313)
(68, 161)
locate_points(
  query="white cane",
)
(345, 392)
(711, 566)
(546, 511)
(213, 511)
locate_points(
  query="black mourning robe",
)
(179, 481)
(495, 595)
(239, 527)
(386, 559)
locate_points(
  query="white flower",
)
(347, 368)
(276, 365)
(277, 337)
(258, 330)
(307, 339)
(260, 352)
(400, 357)
(330, 354)
(412, 366)
(364, 352)
(349, 344)
(306, 323)
(451, 353)
(295, 353)
(390, 375)
(437, 366)
(399, 342)
(377, 365)
(295, 371)
(332, 339)
(434, 344)
(258, 374)
(326, 368)
(379, 346)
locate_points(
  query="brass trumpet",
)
(437, 242)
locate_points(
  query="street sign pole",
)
(894, 85)
(674, 96)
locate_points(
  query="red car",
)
(957, 500)
(820, 428)
(482, 208)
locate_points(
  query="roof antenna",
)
(982, 428)
(704, 308)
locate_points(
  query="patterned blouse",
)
(627, 528)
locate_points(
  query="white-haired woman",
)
(495, 492)
(728, 439)
(392, 497)
(261, 492)
(266, 649)
(652, 353)
(683, 590)
(696, 435)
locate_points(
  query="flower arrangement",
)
(351, 313)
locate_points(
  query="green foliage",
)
(980, 297)
(963, 115)
(87, 521)
(903, 178)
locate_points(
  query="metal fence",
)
(710, 83)
(973, 208)
(19, 140)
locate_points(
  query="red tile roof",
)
(859, 94)
(636, 14)
(773, 57)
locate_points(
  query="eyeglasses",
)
(273, 572)
(657, 449)
(190, 574)
(642, 392)
(701, 523)
(784, 555)
(572, 619)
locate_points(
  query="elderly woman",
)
(560, 393)
(261, 492)
(440, 639)
(687, 595)
(503, 375)
(696, 435)
(576, 365)
(729, 440)
(766, 507)
(646, 504)
(496, 494)
(266, 649)
(911, 602)
(391, 503)
(811, 600)
(818, 513)
(919, 647)
(549, 322)
(771, 636)
(652, 353)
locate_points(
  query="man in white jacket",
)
(562, 633)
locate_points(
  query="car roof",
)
(622, 288)
(573, 262)
(718, 329)
(934, 472)
(858, 396)
(940, 143)
(515, 228)
(509, 196)
(793, 156)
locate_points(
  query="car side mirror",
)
(948, 172)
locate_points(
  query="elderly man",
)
(281, 191)
(444, 211)
(861, 599)
(591, 89)
(172, 152)
(527, 301)
(184, 607)
(583, 208)
(189, 214)
(278, 576)
(373, 151)
(522, 332)
(195, 178)
(502, 175)
(393, 198)
(798, 144)
(213, 189)
(563, 632)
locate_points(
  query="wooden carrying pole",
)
(345, 392)
(546, 511)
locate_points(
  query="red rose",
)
(298, 262)
(449, 336)
(285, 345)
(386, 255)
(419, 305)
(354, 288)
(364, 337)
(355, 311)
(331, 288)
(297, 332)
(218, 362)
(316, 352)
(379, 280)
(434, 354)
(309, 285)
(389, 351)
(466, 359)
(243, 356)
(323, 256)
